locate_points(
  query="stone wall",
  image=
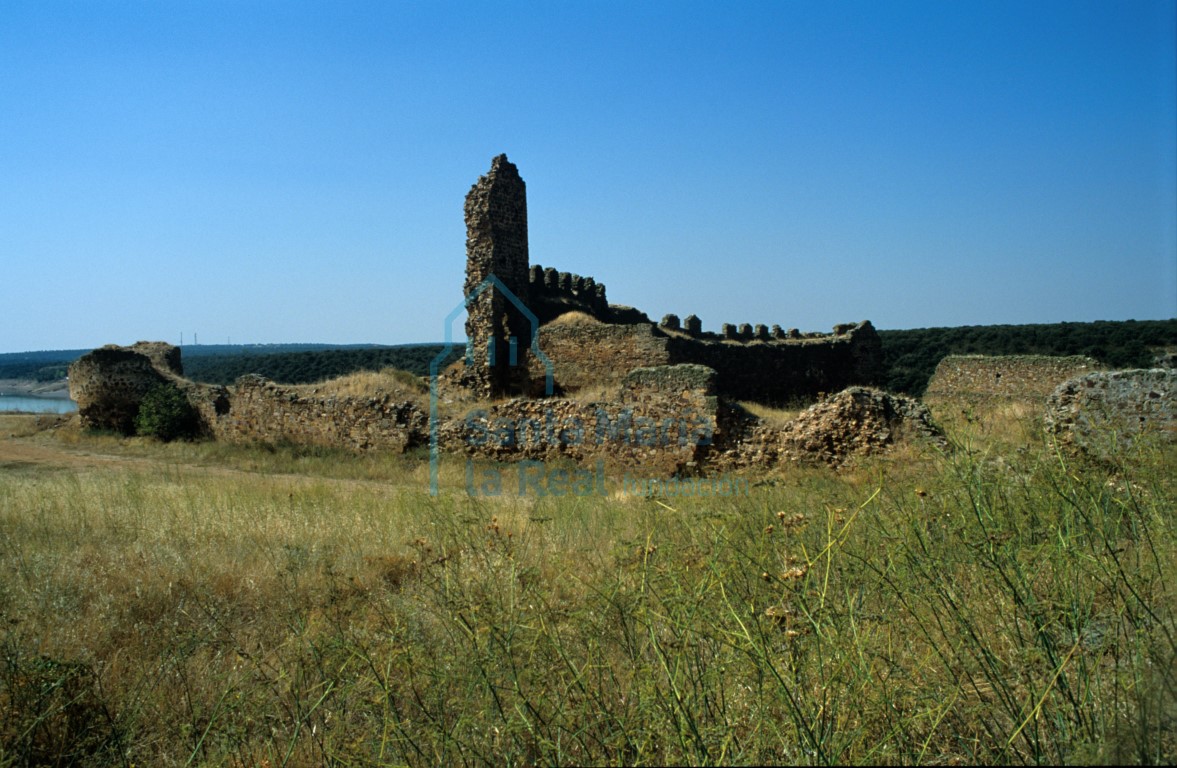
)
(659, 421)
(260, 411)
(1101, 412)
(592, 355)
(777, 371)
(1026, 377)
(109, 383)
(551, 294)
(663, 422)
(497, 331)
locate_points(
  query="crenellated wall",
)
(776, 371)
(551, 294)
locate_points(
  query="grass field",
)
(199, 604)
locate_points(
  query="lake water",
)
(37, 404)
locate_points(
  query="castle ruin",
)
(754, 362)
(523, 317)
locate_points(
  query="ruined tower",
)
(498, 332)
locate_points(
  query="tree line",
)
(309, 367)
(909, 356)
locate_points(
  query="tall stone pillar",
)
(498, 333)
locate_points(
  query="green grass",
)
(223, 605)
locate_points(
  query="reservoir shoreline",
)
(29, 388)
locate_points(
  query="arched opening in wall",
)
(221, 405)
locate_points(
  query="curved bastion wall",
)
(109, 383)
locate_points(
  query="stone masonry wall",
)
(775, 372)
(1031, 377)
(109, 383)
(663, 421)
(1101, 412)
(496, 244)
(261, 411)
(593, 355)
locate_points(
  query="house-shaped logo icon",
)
(472, 355)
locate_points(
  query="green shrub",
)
(166, 414)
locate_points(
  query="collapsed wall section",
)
(110, 382)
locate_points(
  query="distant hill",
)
(44, 365)
(49, 365)
(909, 356)
(305, 367)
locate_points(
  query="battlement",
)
(551, 294)
(591, 355)
(692, 326)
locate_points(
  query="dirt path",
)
(25, 452)
(17, 451)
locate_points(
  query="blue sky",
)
(291, 171)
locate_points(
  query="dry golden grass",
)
(278, 608)
(775, 417)
(1000, 423)
(596, 393)
(25, 424)
(17, 424)
(575, 317)
(368, 384)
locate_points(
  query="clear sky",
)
(295, 171)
